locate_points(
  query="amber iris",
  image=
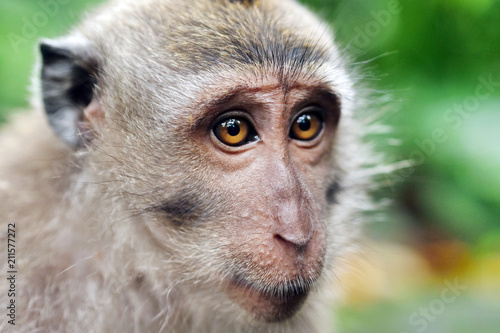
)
(232, 131)
(306, 127)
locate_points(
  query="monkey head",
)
(225, 132)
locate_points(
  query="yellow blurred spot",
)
(381, 271)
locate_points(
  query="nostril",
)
(299, 243)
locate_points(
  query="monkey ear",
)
(68, 80)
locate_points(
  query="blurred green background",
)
(437, 62)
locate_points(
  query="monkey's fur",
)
(128, 218)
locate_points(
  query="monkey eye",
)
(306, 126)
(235, 132)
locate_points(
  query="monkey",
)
(187, 166)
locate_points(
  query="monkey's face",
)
(256, 202)
(215, 123)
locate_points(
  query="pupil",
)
(233, 128)
(304, 123)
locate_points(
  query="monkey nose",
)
(292, 225)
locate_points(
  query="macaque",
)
(188, 166)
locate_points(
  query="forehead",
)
(175, 49)
(213, 35)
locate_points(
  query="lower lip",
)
(267, 306)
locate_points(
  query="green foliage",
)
(427, 313)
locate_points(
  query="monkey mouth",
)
(274, 303)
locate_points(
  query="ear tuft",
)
(67, 85)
